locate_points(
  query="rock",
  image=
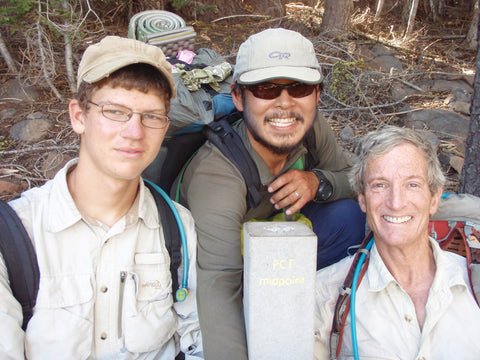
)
(438, 120)
(30, 130)
(385, 63)
(11, 188)
(431, 137)
(14, 89)
(6, 114)
(399, 91)
(381, 50)
(460, 94)
(347, 133)
(456, 162)
(450, 86)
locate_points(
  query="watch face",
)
(325, 190)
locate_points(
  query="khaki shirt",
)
(387, 326)
(105, 292)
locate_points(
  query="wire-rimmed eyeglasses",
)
(122, 113)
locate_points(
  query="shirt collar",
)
(448, 272)
(64, 212)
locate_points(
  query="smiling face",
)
(397, 198)
(279, 124)
(117, 150)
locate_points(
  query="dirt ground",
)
(435, 49)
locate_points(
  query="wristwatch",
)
(325, 188)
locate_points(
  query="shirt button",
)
(103, 336)
(104, 289)
(409, 319)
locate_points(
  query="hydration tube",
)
(353, 324)
(182, 292)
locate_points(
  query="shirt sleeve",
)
(332, 160)
(11, 317)
(215, 193)
(188, 328)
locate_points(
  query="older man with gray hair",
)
(415, 300)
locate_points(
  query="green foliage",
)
(344, 84)
(12, 11)
(181, 4)
(5, 144)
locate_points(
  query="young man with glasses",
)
(277, 85)
(105, 283)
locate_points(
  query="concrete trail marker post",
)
(279, 289)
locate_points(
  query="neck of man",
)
(414, 269)
(104, 199)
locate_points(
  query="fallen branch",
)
(238, 16)
(39, 148)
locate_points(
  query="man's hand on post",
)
(295, 188)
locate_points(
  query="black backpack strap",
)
(312, 158)
(20, 259)
(171, 234)
(226, 139)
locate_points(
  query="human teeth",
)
(397, 220)
(282, 122)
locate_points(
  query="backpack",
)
(176, 153)
(21, 260)
(456, 227)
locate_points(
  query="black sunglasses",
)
(269, 90)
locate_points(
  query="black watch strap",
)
(325, 188)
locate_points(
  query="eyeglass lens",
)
(269, 91)
(121, 113)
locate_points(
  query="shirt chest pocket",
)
(148, 320)
(60, 327)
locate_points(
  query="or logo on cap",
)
(279, 55)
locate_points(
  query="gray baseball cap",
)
(277, 53)
(114, 52)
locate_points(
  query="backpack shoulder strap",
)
(312, 158)
(342, 307)
(226, 139)
(171, 233)
(20, 259)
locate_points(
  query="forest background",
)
(41, 42)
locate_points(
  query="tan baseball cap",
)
(277, 54)
(113, 53)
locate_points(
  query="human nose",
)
(133, 127)
(397, 197)
(284, 100)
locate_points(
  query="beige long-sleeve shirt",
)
(105, 292)
(387, 327)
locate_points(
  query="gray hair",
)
(380, 142)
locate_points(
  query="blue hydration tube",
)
(181, 293)
(356, 275)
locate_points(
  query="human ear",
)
(77, 118)
(237, 97)
(435, 201)
(362, 202)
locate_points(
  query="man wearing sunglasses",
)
(277, 86)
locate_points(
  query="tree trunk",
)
(470, 178)
(379, 10)
(336, 17)
(7, 57)
(411, 19)
(471, 39)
